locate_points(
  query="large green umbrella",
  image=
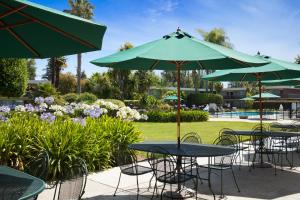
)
(29, 30)
(276, 69)
(285, 82)
(178, 51)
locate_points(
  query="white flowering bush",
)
(48, 111)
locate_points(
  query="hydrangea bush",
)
(48, 111)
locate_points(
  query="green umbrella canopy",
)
(172, 98)
(247, 99)
(182, 48)
(286, 82)
(265, 95)
(30, 30)
(277, 69)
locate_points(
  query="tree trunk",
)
(57, 72)
(53, 70)
(78, 73)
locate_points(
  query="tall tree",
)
(121, 77)
(297, 59)
(217, 36)
(31, 68)
(144, 80)
(54, 67)
(84, 9)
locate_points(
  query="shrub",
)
(67, 83)
(24, 135)
(115, 101)
(199, 99)
(87, 97)
(185, 116)
(13, 77)
(45, 90)
(71, 97)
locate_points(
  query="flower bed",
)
(94, 132)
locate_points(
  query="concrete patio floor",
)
(259, 183)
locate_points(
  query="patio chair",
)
(189, 162)
(165, 169)
(38, 165)
(231, 135)
(221, 163)
(71, 185)
(264, 145)
(129, 165)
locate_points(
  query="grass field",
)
(207, 130)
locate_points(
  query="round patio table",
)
(185, 150)
(17, 185)
(275, 134)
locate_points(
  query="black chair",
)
(232, 135)
(221, 163)
(264, 145)
(71, 185)
(38, 166)
(166, 171)
(129, 165)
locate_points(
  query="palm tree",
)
(84, 9)
(54, 67)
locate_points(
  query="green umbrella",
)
(247, 99)
(276, 69)
(265, 95)
(30, 30)
(172, 98)
(178, 51)
(285, 82)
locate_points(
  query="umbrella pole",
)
(178, 104)
(260, 105)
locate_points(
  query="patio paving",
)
(255, 184)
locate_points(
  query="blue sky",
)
(270, 26)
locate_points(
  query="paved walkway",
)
(255, 184)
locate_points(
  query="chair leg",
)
(237, 186)
(150, 182)
(155, 188)
(222, 194)
(196, 188)
(138, 188)
(162, 191)
(209, 183)
(118, 183)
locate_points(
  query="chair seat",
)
(173, 178)
(136, 170)
(268, 151)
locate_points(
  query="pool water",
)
(246, 113)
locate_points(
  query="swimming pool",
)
(245, 113)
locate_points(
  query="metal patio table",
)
(17, 185)
(186, 150)
(275, 134)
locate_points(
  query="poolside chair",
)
(72, 182)
(221, 163)
(129, 165)
(232, 135)
(38, 165)
(165, 169)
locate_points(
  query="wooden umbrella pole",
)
(178, 103)
(260, 104)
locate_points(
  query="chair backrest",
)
(191, 137)
(162, 163)
(38, 166)
(230, 134)
(263, 127)
(73, 181)
(227, 159)
(126, 159)
(275, 126)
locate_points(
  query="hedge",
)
(185, 116)
(203, 99)
(24, 135)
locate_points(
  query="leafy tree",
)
(218, 87)
(13, 77)
(67, 83)
(217, 36)
(84, 9)
(31, 68)
(144, 80)
(54, 67)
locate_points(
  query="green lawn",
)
(207, 130)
